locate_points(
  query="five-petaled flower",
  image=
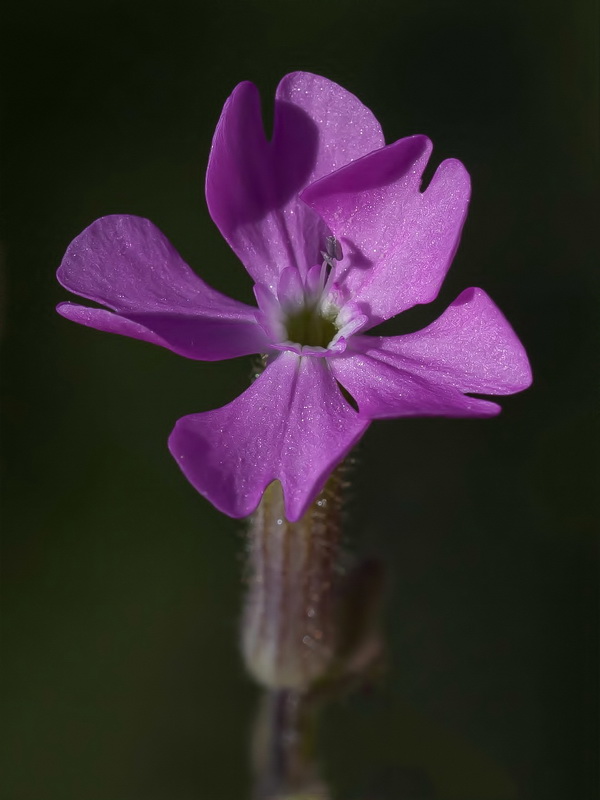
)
(334, 230)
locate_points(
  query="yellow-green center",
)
(308, 326)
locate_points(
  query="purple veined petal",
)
(471, 347)
(291, 425)
(347, 129)
(398, 242)
(200, 338)
(128, 265)
(125, 263)
(252, 184)
(385, 387)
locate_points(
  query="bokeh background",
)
(121, 586)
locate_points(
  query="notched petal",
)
(128, 265)
(398, 241)
(253, 184)
(291, 425)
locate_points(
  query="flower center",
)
(309, 314)
(308, 326)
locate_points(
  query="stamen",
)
(328, 281)
(326, 270)
(309, 315)
(334, 248)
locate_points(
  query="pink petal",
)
(398, 242)
(291, 425)
(347, 129)
(383, 390)
(252, 184)
(126, 264)
(200, 338)
(471, 347)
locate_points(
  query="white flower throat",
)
(310, 316)
(314, 324)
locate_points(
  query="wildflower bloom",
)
(333, 228)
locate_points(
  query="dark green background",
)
(122, 586)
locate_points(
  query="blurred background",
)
(121, 586)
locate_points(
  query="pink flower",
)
(334, 230)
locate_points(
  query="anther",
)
(334, 248)
(332, 252)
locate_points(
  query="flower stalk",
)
(284, 748)
(289, 637)
(310, 632)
